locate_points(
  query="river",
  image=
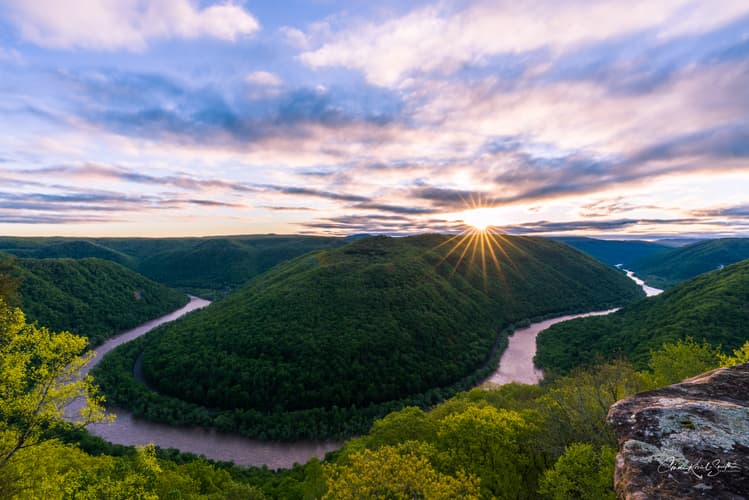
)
(649, 290)
(516, 365)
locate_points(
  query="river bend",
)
(516, 365)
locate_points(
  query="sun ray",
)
(455, 247)
(495, 238)
(462, 233)
(474, 245)
(462, 255)
(493, 255)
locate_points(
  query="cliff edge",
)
(688, 440)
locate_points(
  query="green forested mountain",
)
(664, 269)
(206, 266)
(91, 297)
(615, 252)
(713, 306)
(378, 320)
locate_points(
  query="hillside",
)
(615, 252)
(668, 268)
(712, 307)
(91, 297)
(210, 266)
(378, 320)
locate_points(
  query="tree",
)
(410, 423)
(574, 407)
(398, 473)
(740, 355)
(673, 363)
(582, 473)
(492, 444)
(39, 379)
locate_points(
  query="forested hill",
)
(377, 320)
(713, 307)
(664, 269)
(615, 252)
(90, 297)
(208, 266)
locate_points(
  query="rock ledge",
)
(688, 440)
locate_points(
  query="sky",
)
(186, 117)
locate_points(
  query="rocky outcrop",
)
(689, 440)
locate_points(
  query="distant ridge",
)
(614, 252)
(209, 266)
(678, 264)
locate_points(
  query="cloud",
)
(535, 178)
(606, 207)
(11, 55)
(444, 39)
(294, 37)
(99, 202)
(607, 225)
(639, 63)
(302, 191)
(91, 171)
(187, 182)
(286, 209)
(159, 108)
(125, 24)
(382, 207)
(451, 198)
(263, 79)
(735, 211)
(14, 218)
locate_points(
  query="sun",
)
(479, 219)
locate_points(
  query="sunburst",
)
(479, 239)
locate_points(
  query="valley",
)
(208, 431)
(322, 345)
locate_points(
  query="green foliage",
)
(397, 473)
(509, 436)
(582, 473)
(493, 445)
(56, 471)
(574, 407)
(740, 355)
(323, 344)
(39, 378)
(674, 362)
(91, 297)
(408, 424)
(711, 308)
(665, 269)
